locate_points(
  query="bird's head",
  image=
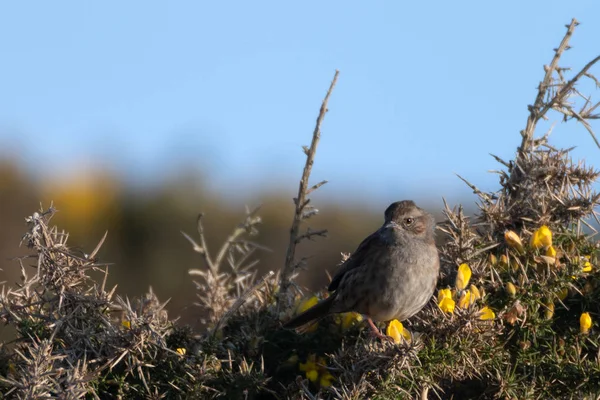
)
(405, 218)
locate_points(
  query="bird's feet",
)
(375, 331)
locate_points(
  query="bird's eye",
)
(408, 221)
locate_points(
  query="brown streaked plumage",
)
(391, 275)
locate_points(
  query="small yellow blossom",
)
(587, 266)
(447, 305)
(513, 241)
(463, 276)
(551, 251)
(316, 370)
(562, 294)
(585, 322)
(475, 293)
(397, 332)
(304, 305)
(511, 289)
(444, 294)
(486, 313)
(309, 365)
(548, 309)
(493, 260)
(181, 350)
(466, 299)
(126, 324)
(326, 379)
(504, 260)
(348, 319)
(541, 238)
(312, 375)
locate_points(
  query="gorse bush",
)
(515, 314)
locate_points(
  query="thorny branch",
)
(303, 210)
(547, 99)
(218, 289)
(542, 183)
(247, 226)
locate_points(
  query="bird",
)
(391, 275)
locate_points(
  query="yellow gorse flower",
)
(126, 324)
(316, 370)
(445, 302)
(475, 292)
(397, 332)
(562, 294)
(511, 289)
(585, 322)
(463, 276)
(513, 241)
(309, 365)
(587, 266)
(549, 309)
(304, 305)
(181, 350)
(444, 294)
(551, 251)
(541, 238)
(486, 313)
(466, 299)
(348, 319)
(447, 305)
(325, 379)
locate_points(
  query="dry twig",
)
(303, 210)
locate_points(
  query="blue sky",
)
(144, 88)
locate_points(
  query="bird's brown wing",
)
(356, 259)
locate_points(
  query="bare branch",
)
(586, 125)
(301, 200)
(535, 113)
(484, 196)
(310, 234)
(200, 228)
(98, 246)
(250, 220)
(315, 187)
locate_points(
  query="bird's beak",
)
(390, 225)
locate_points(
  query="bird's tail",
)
(318, 311)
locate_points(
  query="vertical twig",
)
(537, 110)
(301, 201)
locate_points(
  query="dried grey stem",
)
(301, 201)
(219, 289)
(553, 93)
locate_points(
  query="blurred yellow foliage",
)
(87, 197)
